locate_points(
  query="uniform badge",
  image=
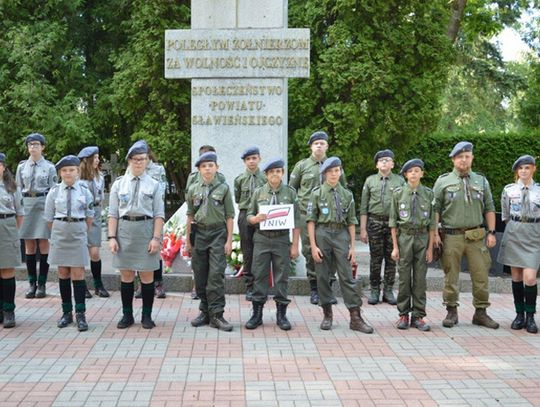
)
(309, 208)
(403, 214)
(402, 206)
(325, 211)
(426, 214)
(124, 198)
(196, 200)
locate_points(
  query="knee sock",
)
(43, 268)
(8, 293)
(158, 273)
(531, 292)
(147, 298)
(65, 294)
(79, 291)
(126, 292)
(519, 295)
(31, 267)
(95, 267)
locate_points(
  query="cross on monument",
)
(239, 54)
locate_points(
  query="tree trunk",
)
(458, 9)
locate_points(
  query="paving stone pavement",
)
(178, 365)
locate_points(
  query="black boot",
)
(31, 292)
(126, 321)
(9, 319)
(519, 321)
(41, 292)
(328, 317)
(314, 296)
(256, 316)
(82, 325)
(374, 296)
(202, 319)
(281, 317)
(531, 324)
(147, 322)
(87, 293)
(67, 318)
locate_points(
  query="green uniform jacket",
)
(322, 205)
(242, 187)
(284, 195)
(450, 200)
(305, 176)
(401, 208)
(219, 206)
(375, 200)
(196, 176)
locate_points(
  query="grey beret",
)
(253, 150)
(330, 162)
(139, 147)
(2, 158)
(35, 137)
(209, 156)
(461, 147)
(383, 154)
(415, 162)
(524, 159)
(318, 135)
(273, 163)
(88, 152)
(68, 160)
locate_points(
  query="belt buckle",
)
(32, 194)
(525, 219)
(131, 218)
(69, 219)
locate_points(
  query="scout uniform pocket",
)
(475, 235)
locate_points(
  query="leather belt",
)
(135, 218)
(273, 233)
(524, 219)
(34, 194)
(210, 227)
(413, 232)
(380, 218)
(332, 225)
(6, 215)
(459, 231)
(70, 219)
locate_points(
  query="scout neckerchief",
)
(339, 211)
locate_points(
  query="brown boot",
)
(358, 323)
(481, 318)
(451, 317)
(326, 323)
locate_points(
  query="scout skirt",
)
(34, 225)
(133, 238)
(94, 233)
(520, 246)
(10, 249)
(69, 244)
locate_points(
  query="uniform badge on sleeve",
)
(309, 208)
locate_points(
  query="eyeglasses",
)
(34, 145)
(138, 160)
(385, 160)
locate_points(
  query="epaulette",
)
(398, 189)
(119, 177)
(444, 175)
(509, 185)
(21, 162)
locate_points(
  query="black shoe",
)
(125, 322)
(147, 322)
(82, 325)
(256, 316)
(519, 321)
(159, 290)
(314, 297)
(194, 295)
(138, 293)
(102, 292)
(249, 294)
(8, 319)
(201, 320)
(217, 321)
(41, 291)
(67, 318)
(87, 294)
(531, 324)
(374, 297)
(31, 292)
(281, 317)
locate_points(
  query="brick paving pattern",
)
(175, 364)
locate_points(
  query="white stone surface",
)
(258, 14)
(237, 53)
(213, 13)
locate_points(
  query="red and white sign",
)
(278, 217)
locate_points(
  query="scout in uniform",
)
(520, 246)
(35, 177)
(69, 213)
(463, 204)
(272, 248)
(11, 217)
(136, 214)
(157, 172)
(304, 177)
(94, 181)
(194, 177)
(374, 213)
(412, 224)
(331, 225)
(211, 211)
(244, 186)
